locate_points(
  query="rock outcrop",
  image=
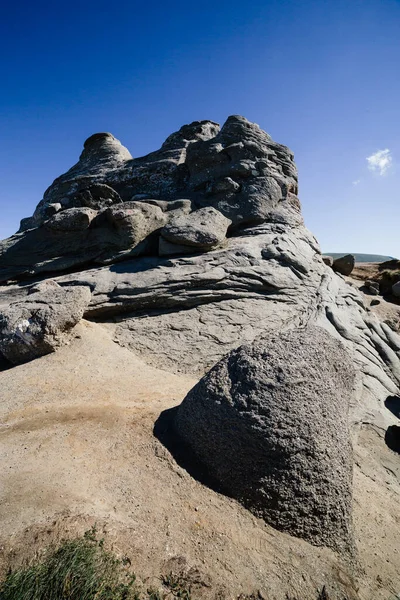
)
(237, 172)
(270, 423)
(190, 305)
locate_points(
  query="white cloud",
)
(380, 162)
(357, 181)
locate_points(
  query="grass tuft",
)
(79, 569)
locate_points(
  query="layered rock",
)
(238, 171)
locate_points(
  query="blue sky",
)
(322, 77)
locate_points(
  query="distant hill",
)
(361, 257)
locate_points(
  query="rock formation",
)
(238, 171)
(195, 250)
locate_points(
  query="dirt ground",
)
(77, 447)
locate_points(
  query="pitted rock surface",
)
(270, 423)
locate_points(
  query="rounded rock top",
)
(99, 137)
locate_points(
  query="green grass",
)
(79, 569)
(82, 569)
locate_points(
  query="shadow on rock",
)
(392, 403)
(164, 430)
(392, 438)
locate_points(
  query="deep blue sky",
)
(322, 77)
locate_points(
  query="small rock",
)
(97, 196)
(134, 221)
(372, 287)
(227, 184)
(375, 302)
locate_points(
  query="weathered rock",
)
(270, 423)
(224, 185)
(238, 170)
(185, 312)
(328, 260)
(41, 322)
(196, 307)
(203, 228)
(134, 221)
(174, 208)
(344, 265)
(242, 153)
(72, 219)
(97, 196)
(168, 249)
(77, 237)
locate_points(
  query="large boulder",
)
(203, 228)
(270, 423)
(40, 322)
(344, 265)
(135, 221)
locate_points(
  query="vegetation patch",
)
(82, 569)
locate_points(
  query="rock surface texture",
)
(270, 423)
(191, 252)
(40, 322)
(203, 228)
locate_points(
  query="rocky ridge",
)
(192, 251)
